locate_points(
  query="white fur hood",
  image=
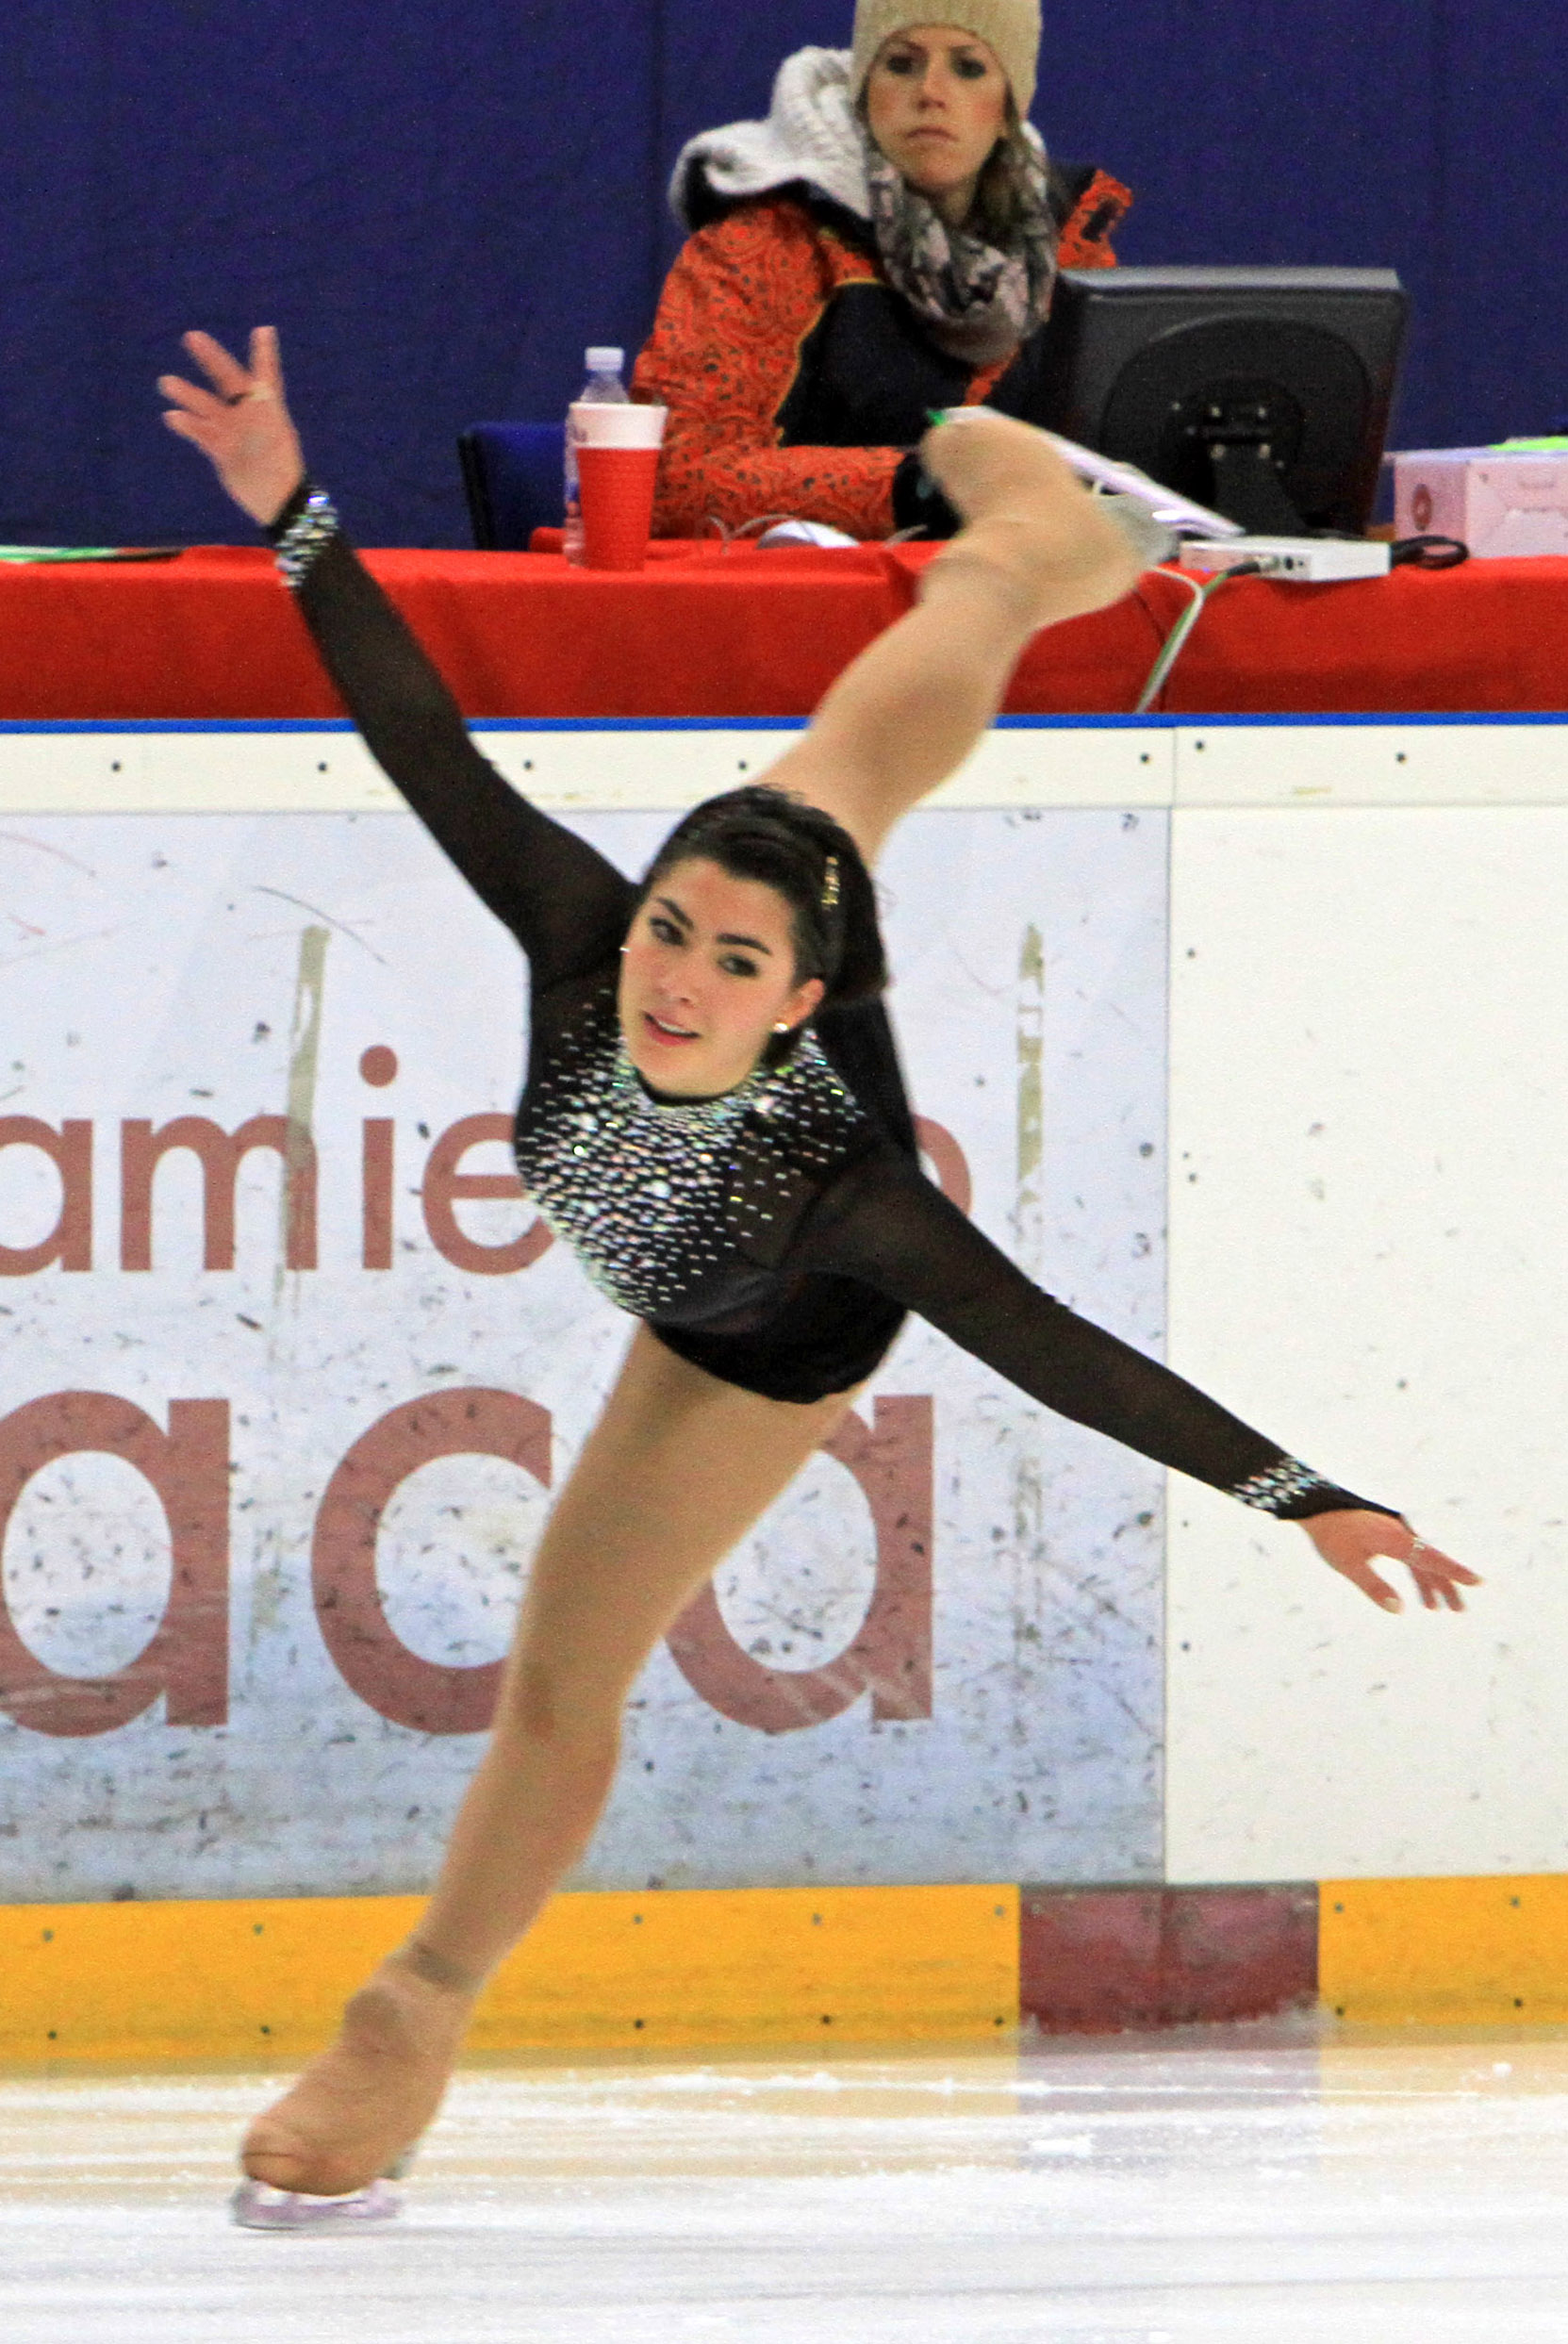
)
(810, 134)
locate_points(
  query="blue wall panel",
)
(1501, 216)
(440, 204)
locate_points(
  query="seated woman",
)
(885, 244)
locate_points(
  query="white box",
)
(1311, 561)
(1500, 501)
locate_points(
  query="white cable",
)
(1170, 649)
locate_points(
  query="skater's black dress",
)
(775, 1236)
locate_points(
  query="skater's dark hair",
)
(808, 858)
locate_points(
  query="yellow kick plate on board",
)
(675, 1967)
(1465, 1951)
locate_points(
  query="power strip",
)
(1310, 561)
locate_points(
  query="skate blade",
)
(255, 2205)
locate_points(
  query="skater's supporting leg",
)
(675, 1474)
(1036, 548)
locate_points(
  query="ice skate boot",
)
(1027, 519)
(349, 2126)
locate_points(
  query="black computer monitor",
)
(1262, 393)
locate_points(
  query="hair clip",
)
(830, 883)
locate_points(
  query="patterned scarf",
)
(977, 300)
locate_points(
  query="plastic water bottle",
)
(603, 387)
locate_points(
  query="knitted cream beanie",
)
(1010, 27)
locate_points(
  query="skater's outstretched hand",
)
(1351, 1543)
(243, 423)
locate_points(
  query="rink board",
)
(1354, 925)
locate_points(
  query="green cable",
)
(1176, 642)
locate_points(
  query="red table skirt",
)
(702, 633)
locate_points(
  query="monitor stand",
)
(1247, 487)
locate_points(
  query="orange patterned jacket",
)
(797, 379)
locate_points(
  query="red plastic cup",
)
(618, 463)
(616, 488)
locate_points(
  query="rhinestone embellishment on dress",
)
(653, 1196)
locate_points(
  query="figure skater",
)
(714, 1122)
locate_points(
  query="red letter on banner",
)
(376, 1663)
(70, 1151)
(219, 1154)
(947, 1159)
(444, 1183)
(187, 1659)
(890, 1656)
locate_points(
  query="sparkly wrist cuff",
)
(311, 531)
(1275, 1491)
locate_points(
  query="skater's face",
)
(936, 104)
(707, 977)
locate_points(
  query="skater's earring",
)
(782, 1026)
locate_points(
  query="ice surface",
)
(1139, 2192)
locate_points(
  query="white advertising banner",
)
(289, 1372)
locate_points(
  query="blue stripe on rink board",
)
(1183, 723)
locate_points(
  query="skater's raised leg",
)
(1036, 548)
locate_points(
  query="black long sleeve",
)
(564, 903)
(883, 1224)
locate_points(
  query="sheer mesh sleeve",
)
(567, 906)
(884, 1224)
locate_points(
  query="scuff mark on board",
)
(314, 909)
(1028, 1211)
(61, 943)
(43, 846)
(1029, 1492)
(305, 1042)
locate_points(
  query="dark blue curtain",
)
(439, 205)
